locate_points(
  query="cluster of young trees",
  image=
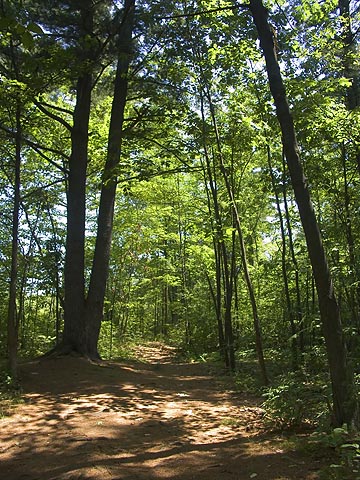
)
(228, 134)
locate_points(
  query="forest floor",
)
(154, 418)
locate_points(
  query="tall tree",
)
(99, 273)
(345, 405)
(74, 336)
(13, 319)
(83, 314)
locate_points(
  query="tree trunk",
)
(354, 292)
(349, 56)
(217, 228)
(12, 324)
(345, 406)
(237, 223)
(74, 335)
(74, 303)
(350, 71)
(100, 267)
(289, 308)
(300, 323)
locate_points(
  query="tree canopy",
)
(184, 171)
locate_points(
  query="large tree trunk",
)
(100, 268)
(74, 335)
(12, 324)
(74, 311)
(345, 407)
(350, 70)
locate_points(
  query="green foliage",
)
(163, 265)
(247, 376)
(296, 400)
(10, 394)
(345, 452)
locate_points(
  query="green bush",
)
(10, 394)
(346, 453)
(296, 400)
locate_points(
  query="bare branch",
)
(53, 115)
(55, 107)
(37, 148)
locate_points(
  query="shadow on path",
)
(136, 420)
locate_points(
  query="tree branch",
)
(53, 116)
(148, 176)
(169, 150)
(37, 148)
(55, 107)
(202, 12)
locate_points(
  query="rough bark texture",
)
(74, 335)
(12, 324)
(345, 408)
(74, 312)
(100, 268)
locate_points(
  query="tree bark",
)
(12, 323)
(289, 308)
(100, 267)
(345, 406)
(74, 335)
(74, 303)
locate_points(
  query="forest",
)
(186, 172)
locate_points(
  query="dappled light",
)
(134, 421)
(179, 240)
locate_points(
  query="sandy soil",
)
(158, 418)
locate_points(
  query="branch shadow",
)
(135, 421)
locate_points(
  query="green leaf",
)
(5, 22)
(20, 29)
(27, 40)
(351, 446)
(35, 28)
(345, 82)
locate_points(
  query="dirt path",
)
(139, 421)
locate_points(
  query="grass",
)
(10, 393)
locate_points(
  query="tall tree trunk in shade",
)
(350, 70)
(12, 324)
(345, 405)
(100, 267)
(74, 336)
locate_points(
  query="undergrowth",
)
(300, 400)
(10, 394)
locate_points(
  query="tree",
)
(345, 406)
(99, 273)
(83, 313)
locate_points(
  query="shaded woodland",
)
(186, 172)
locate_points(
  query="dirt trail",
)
(156, 419)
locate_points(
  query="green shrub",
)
(295, 400)
(10, 394)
